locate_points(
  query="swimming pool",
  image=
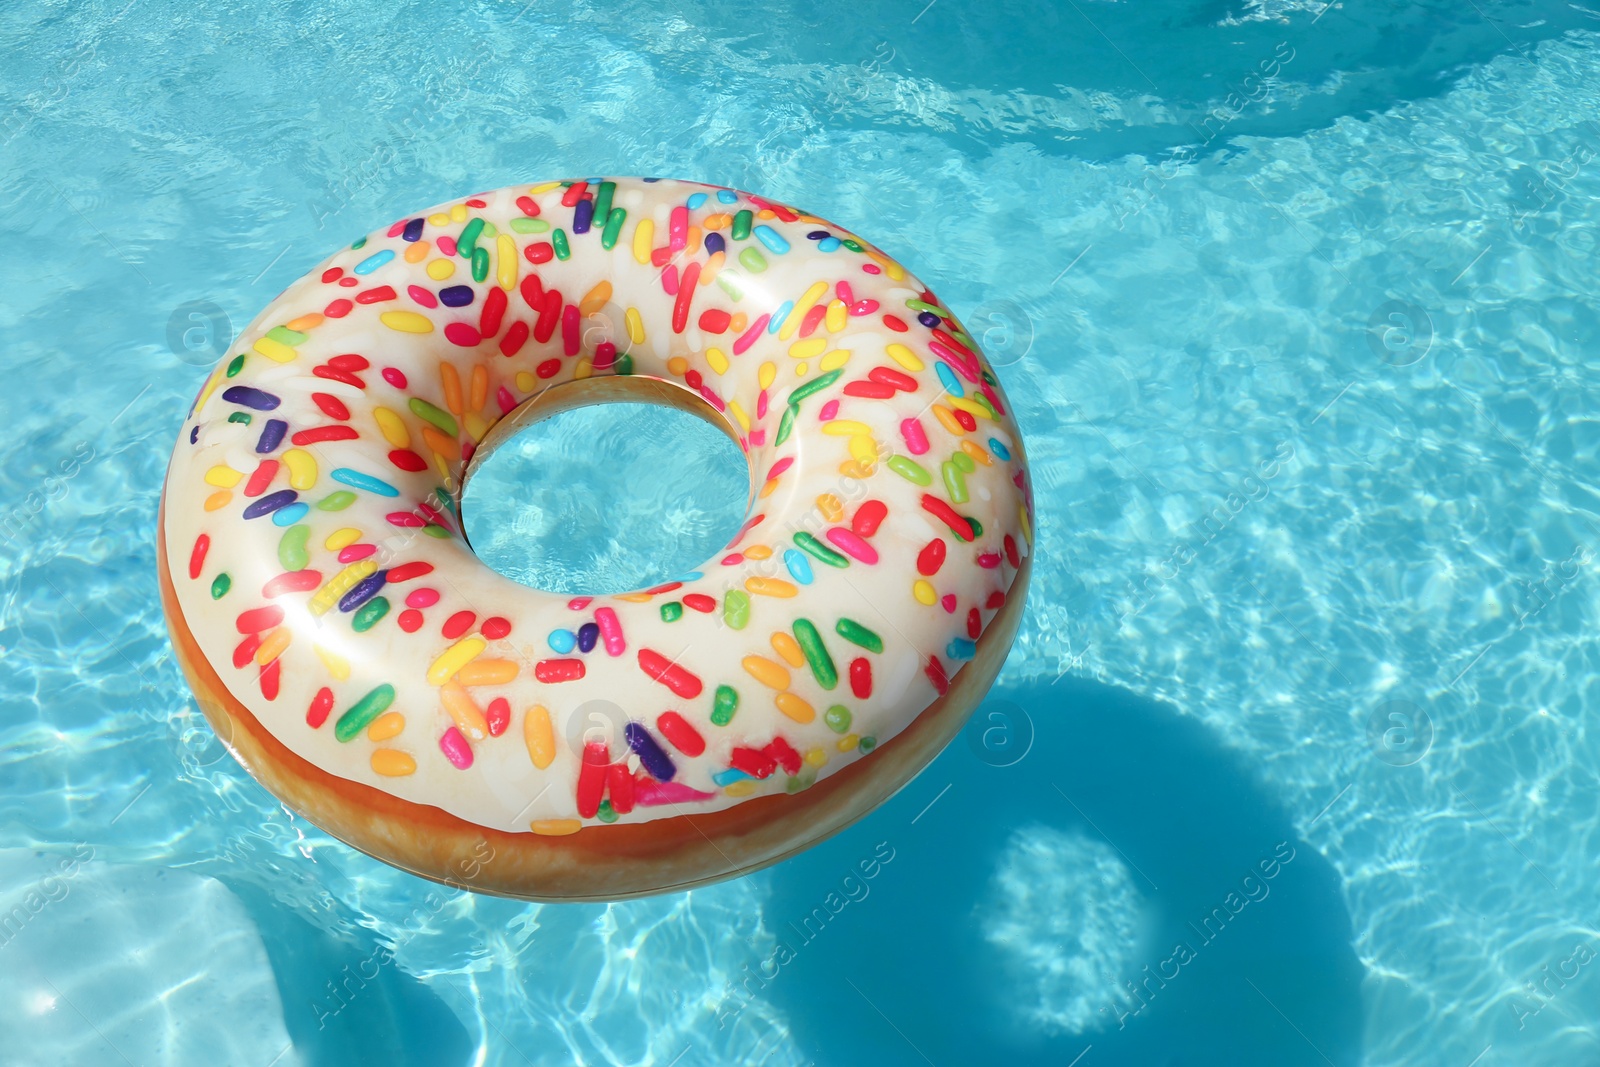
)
(1291, 762)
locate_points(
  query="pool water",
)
(1292, 762)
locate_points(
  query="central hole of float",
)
(606, 499)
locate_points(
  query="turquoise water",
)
(1306, 365)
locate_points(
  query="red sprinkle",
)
(974, 624)
(271, 676)
(548, 369)
(929, 560)
(715, 320)
(861, 678)
(539, 252)
(700, 602)
(494, 310)
(989, 560)
(516, 336)
(197, 558)
(407, 571)
(321, 704)
(495, 627)
(407, 460)
(265, 471)
(377, 295)
(332, 274)
(684, 738)
(869, 390)
(619, 783)
(869, 517)
(895, 324)
(338, 309)
(592, 776)
(755, 763)
(291, 582)
(461, 335)
(259, 620)
(528, 206)
(891, 377)
(498, 716)
(996, 601)
(395, 377)
(1011, 552)
(784, 753)
(410, 620)
(943, 512)
(669, 674)
(331, 405)
(245, 650)
(459, 623)
(319, 434)
(936, 675)
(558, 670)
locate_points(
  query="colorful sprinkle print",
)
(314, 499)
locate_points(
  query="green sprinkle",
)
(240, 417)
(729, 282)
(480, 264)
(814, 386)
(837, 718)
(284, 335)
(367, 616)
(983, 402)
(910, 470)
(602, 204)
(736, 609)
(753, 260)
(607, 813)
(292, 548)
(613, 230)
(965, 463)
(524, 225)
(955, 483)
(336, 501)
(812, 547)
(920, 305)
(624, 363)
(467, 243)
(672, 610)
(438, 533)
(977, 527)
(741, 225)
(867, 744)
(852, 245)
(220, 586)
(816, 653)
(443, 421)
(489, 232)
(236, 365)
(360, 242)
(363, 711)
(785, 426)
(857, 634)
(559, 239)
(723, 705)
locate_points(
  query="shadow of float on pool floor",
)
(906, 973)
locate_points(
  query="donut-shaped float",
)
(370, 671)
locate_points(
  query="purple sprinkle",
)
(248, 397)
(194, 434)
(928, 318)
(272, 435)
(363, 591)
(270, 503)
(455, 296)
(588, 634)
(413, 230)
(650, 754)
(582, 215)
(817, 235)
(714, 243)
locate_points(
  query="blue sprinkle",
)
(270, 503)
(374, 261)
(582, 215)
(776, 322)
(245, 396)
(727, 196)
(562, 641)
(363, 591)
(290, 515)
(999, 450)
(772, 239)
(588, 634)
(357, 480)
(928, 318)
(729, 776)
(455, 296)
(194, 434)
(960, 648)
(271, 435)
(714, 244)
(695, 200)
(692, 576)
(649, 751)
(829, 244)
(799, 567)
(948, 378)
(413, 231)
(649, 179)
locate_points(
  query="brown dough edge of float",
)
(598, 863)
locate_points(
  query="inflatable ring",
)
(370, 671)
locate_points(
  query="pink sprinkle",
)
(425, 597)
(446, 246)
(422, 296)
(397, 229)
(733, 560)
(678, 229)
(455, 748)
(761, 404)
(605, 354)
(779, 467)
(610, 631)
(394, 377)
(578, 603)
(870, 268)
(669, 279)
(989, 560)
(352, 553)
(748, 338)
(462, 335)
(829, 411)
(948, 603)
(915, 437)
(507, 402)
(852, 544)
(758, 438)
(651, 793)
(863, 307)
(843, 291)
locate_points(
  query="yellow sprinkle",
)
(794, 707)
(758, 552)
(438, 218)
(801, 306)
(894, 270)
(787, 647)
(947, 419)
(583, 369)
(309, 321)
(634, 598)
(417, 251)
(800, 369)
(635, 326)
(440, 269)
(453, 658)
(776, 587)
(273, 645)
(221, 497)
(708, 273)
(971, 407)
(924, 592)
(644, 235)
(738, 412)
(559, 827)
(476, 427)
(458, 213)
(389, 724)
(450, 380)
(905, 357)
(716, 360)
(392, 763)
(275, 350)
(488, 672)
(406, 322)
(340, 584)
(392, 426)
(851, 469)
(1022, 516)
(720, 221)
(466, 713)
(302, 468)
(816, 757)
(835, 359)
(845, 428)
(543, 187)
(505, 265)
(977, 452)
(848, 742)
(809, 348)
(540, 736)
(742, 788)
(526, 381)
(768, 487)
(832, 507)
(768, 374)
(337, 665)
(838, 315)
(766, 672)
(864, 449)
(342, 538)
(595, 298)
(677, 365)
(766, 213)
(739, 321)
(223, 477)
